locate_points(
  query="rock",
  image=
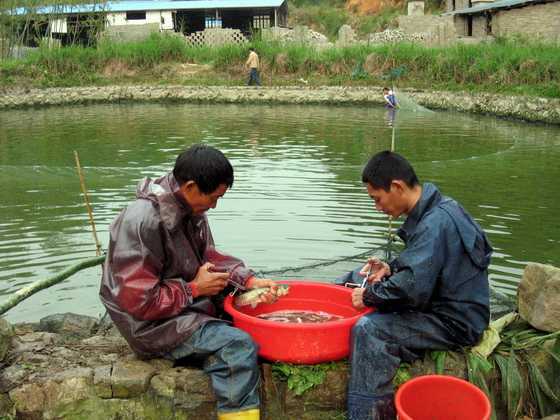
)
(102, 381)
(346, 36)
(538, 296)
(389, 36)
(6, 334)
(189, 389)
(131, 378)
(13, 376)
(68, 324)
(29, 400)
(7, 410)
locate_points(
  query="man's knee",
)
(369, 326)
(243, 343)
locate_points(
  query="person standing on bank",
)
(253, 64)
(163, 280)
(433, 296)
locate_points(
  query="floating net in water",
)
(406, 103)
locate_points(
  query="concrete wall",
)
(439, 30)
(157, 16)
(541, 20)
(130, 32)
(418, 24)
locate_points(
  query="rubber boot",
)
(253, 414)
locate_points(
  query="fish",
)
(253, 296)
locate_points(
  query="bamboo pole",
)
(88, 206)
(33, 288)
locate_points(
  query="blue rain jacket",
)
(442, 270)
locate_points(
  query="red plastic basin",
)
(305, 343)
(441, 397)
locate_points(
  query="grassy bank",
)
(505, 66)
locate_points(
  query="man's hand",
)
(379, 269)
(358, 298)
(255, 283)
(209, 283)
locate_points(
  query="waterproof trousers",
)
(380, 341)
(229, 356)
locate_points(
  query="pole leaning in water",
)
(33, 288)
(88, 205)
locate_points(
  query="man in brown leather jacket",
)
(163, 279)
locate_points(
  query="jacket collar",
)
(173, 208)
(430, 197)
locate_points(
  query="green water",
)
(297, 199)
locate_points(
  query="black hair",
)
(386, 167)
(206, 166)
(251, 49)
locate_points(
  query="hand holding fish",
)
(262, 291)
(376, 269)
(208, 282)
(358, 298)
(271, 295)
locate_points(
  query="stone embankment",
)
(70, 366)
(518, 107)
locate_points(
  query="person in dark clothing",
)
(164, 281)
(433, 296)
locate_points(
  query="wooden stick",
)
(88, 206)
(33, 288)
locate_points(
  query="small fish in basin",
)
(254, 297)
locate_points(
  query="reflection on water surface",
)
(297, 199)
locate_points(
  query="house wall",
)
(539, 20)
(479, 26)
(119, 19)
(451, 5)
(438, 30)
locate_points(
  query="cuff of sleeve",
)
(249, 282)
(194, 289)
(369, 297)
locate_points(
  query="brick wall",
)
(542, 20)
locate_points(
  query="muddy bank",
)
(519, 107)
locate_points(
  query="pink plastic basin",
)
(441, 397)
(305, 343)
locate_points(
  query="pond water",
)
(297, 200)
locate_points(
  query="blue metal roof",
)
(499, 4)
(141, 5)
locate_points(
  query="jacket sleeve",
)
(415, 273)
(137, 262)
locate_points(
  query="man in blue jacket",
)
(434, 296)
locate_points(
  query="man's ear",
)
(398, 186)
(188, 187)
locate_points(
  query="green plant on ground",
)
(511, 366)
(301, 378)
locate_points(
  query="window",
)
(261, 21)
(213, 21)
(136, 15)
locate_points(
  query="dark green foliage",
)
(300, 378)
(439, 359)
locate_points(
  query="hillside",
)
(365, 16)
